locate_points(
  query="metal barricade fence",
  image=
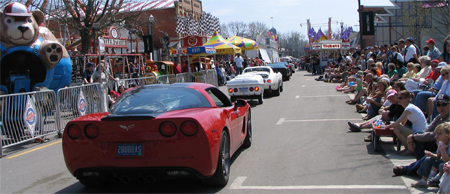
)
(163, 79)
(172, 78)
(200, 76)
(184, 77)
(76, 101)
(27, 116)
(211, 77)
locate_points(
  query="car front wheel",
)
(248, 137)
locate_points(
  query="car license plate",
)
(243, 89)
(129, 150)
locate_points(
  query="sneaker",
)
(354, 127)
(399, 170)
(421, 183)
(433, 183)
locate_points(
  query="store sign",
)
(368, 26)
(345, 45)
(115, 42)
(331, 46)
(315, 47)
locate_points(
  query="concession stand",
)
(329, 50)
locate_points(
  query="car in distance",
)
(281, 68)
(273, 80)
(183, 130)
(247, 86)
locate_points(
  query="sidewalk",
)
(399, 160)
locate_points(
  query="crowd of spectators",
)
(407, 90)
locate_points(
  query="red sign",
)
(331, 46)
(192, 41)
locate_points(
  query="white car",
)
(273, 80)
(247, 86)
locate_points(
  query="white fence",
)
(27, 116)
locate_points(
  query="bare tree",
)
(224, 31)
(237, 28)
(81, 15)
(416, 17)
(256, 28)
(441, 21)
(292, 42)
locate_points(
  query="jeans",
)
(318, 69)
(428, 163)
(422, 99)
(239, 70)
(419, 152)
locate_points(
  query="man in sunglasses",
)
(419, 142)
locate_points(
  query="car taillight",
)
(74, 131)
(256, 89)
(167, 129)
(189, 128)
(251, 89)
(230, 90)
(91, 131)
(269, 81)
(235, 90)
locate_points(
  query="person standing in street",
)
(238, 62)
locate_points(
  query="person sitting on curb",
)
(366, 90)
(411, 113)
(387, 114)
(429, 169)
(425, 141)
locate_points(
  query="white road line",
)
(297, 96)
(307, 79)
(321, 96)
(280, 121)
(237, 184)
(303, 85)
(315, 120)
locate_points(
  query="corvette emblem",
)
(127, 127)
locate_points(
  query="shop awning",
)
(201, 50)
(264, 55)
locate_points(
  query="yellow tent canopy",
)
(221, 45)
(243, 43)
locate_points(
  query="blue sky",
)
(289, 14)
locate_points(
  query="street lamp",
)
(149, 38)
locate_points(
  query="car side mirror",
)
(239, 103)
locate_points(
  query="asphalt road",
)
(301, 144)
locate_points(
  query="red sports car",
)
(159, 132)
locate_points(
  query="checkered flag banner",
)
(206, 25)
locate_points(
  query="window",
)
(218, 97)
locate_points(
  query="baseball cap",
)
(431, 41)
(435, 61)
(410, 39)
(90, 64)
(443, 98)
(441, 65)
(391, 93)
(16, 9)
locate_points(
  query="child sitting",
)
(433, 161)
(445, 179)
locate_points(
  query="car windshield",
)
(264, 69)
(160, 99)
(277, 65)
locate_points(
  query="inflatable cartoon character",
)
(31, 56)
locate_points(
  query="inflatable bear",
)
(31, 56)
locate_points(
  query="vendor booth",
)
(197, 52)
(329, 50)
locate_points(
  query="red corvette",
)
(159, 132)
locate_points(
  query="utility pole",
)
(360, 26)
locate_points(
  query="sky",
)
(289, 14)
